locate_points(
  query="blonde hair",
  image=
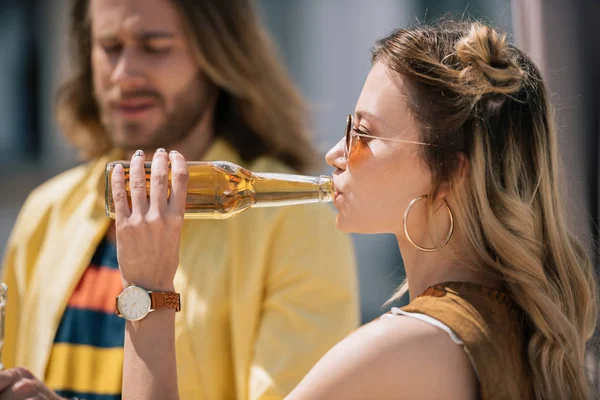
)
(258, 111)
(470, 90)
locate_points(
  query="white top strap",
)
(430, 320)
(438, 324)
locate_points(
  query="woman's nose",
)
(335, 157)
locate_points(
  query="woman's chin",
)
(343, 224)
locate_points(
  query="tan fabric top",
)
(491, 327)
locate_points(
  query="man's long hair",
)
(258, 111)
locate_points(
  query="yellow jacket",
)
(264, 294)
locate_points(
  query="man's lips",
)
(136, 101)
(134, 106)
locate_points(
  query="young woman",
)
(451, 147)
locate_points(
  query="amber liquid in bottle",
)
(220, 189)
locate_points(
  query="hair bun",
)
(489, 65)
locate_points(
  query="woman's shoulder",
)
(392, 358)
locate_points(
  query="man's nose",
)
(128, 72)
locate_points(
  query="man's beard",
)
(189, 108)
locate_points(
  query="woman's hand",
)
(148, 234)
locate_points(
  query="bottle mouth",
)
(326, 188)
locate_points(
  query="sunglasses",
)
(351, 137)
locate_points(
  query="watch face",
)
(134, 303)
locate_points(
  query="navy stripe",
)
(106, 255)
(93, 328)
(69, 394)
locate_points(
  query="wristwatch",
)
(134, 303)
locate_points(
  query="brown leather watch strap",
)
(159, 300)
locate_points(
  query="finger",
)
(119, 193)
(179, 183)
(159, 181)
(11, 376)
(137, 184)
(28, 388)
(6, 379)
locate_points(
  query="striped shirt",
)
(86, 360)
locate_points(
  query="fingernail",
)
(173, 152)
(138, 153)
(161, 150)
(118, 168)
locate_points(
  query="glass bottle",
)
(221, 189)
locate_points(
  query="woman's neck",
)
(425, 269)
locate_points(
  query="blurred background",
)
(325, 45)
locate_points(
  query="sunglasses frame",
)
(350, 134)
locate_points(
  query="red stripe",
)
(97, 289)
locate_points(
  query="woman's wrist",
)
(150, 284)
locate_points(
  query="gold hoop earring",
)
(448, 237)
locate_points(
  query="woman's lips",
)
(336, 194)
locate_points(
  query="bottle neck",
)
(273, 190)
